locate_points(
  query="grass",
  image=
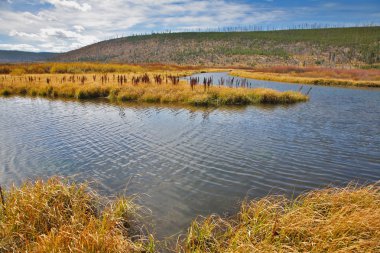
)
(329, 220)
(316, 76)
(59, 216)
(61, 86)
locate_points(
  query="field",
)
(150, 84)
(58, 216)
(87, 67)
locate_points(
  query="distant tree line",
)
(253, 28)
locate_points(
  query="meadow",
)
(133, 83)
(58, 215)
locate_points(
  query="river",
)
(186, 161)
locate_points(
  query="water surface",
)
(190, 161)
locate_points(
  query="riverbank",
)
(151, 87)
(328, 220)
(58, 215)
(315, 76)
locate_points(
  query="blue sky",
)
(63, 25)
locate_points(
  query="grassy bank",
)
(151, 87)
(316, 76)
(59, 216)
(329, 220)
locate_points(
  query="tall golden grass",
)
(92, 86)
(59, 216)
(355, 78)
(329, 220)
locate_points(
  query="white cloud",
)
(69, 4)
(78, 28)
(71, 24)
(22, 34)
(19, 47)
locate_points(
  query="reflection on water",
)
(188, 161)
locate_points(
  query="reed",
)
(329, 220)
(149, 87)
(59, 216)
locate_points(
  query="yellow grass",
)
(293, 78)
(330, 220)
(58, 216)
(58, 86)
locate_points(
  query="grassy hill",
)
(21, 56)
(326, 47)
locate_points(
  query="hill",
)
(325, 47)
(21, 56)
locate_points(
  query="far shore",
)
(315, 76)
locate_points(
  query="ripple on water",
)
(188, 161)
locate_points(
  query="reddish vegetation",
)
(316, 72)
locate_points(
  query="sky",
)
(64, 25)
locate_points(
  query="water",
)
(189, 161)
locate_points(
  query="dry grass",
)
(94, 87)
(317, 76)
(58, 216)
(329, 220)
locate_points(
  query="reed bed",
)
(59, 216)
(354, 78)
(329, 220)
(151, 87)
